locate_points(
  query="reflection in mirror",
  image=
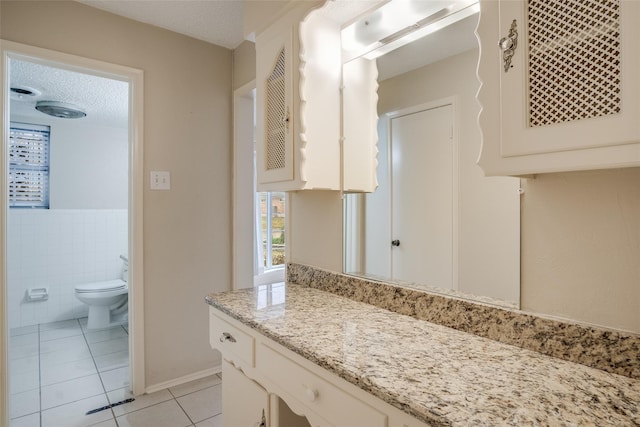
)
(434, 222)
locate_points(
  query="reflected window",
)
(271, 232)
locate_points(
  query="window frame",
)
(40, 171)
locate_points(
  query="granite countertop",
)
(439, 375)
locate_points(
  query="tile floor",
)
(59, 371)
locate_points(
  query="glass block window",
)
(29, 166)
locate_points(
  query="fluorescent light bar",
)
(425, 26)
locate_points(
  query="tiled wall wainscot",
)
(58, 249)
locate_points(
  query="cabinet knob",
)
(226, 336)
(311, 393)
(508, 45)
(395, 243)
(262, 422)
(284, 120)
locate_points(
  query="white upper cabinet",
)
(316, 120)
(360, 126)
(560, 85)
(298, 77)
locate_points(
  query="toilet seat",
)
(106, 286)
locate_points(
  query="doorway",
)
(259, 218)
(407, 230)
(37, 329)
(422, 173)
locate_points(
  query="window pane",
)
(29, 166)
(272, 233)
(277, 228)
(264, 212)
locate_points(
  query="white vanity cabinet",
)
(298, 66)
(259, 374)
(560, 85)
(245, 402)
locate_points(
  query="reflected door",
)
(422, 197)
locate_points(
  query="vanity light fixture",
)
(355, 43)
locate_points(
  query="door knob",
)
(395, 243)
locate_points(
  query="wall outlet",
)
(160, 180)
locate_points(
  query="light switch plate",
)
(160, 180)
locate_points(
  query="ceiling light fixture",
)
(394, 38)
(61, 110)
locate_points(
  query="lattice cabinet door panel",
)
(298, 62)
(274, 124)
(560, 85)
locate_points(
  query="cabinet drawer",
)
(234, 344)
(323, 398)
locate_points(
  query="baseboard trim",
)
(185, 379)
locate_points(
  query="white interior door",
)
(422, 161)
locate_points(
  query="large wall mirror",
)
(434, 222)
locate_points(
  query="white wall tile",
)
(60, 248)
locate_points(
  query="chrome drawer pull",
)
(226, 336)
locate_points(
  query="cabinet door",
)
(359, 126)
(244, 402)
(569, 95)
(274, 126)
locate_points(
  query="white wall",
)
(187, 131)
(79, 239)
(58, 249)
(581, 246)
(88, 164)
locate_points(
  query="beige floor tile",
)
(140, 402)
(211, 422)
(202, 404)
(191, 386)
(166, 414)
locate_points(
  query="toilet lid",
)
(110, 285)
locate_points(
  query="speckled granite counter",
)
(439, 375)
(613, 351)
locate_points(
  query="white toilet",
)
(108, 301)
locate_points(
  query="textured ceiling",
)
(215, 21)
(104, 100)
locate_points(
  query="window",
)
(28, 166)
(271, 209)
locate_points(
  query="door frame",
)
(243, 186)
(454, 102)
(134, 77)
